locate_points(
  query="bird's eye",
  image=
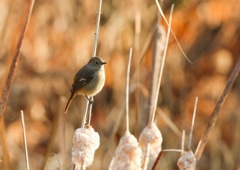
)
(96, 62)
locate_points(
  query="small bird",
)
(89, 80)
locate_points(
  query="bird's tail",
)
(69, 102)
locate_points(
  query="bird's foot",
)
(89, 99)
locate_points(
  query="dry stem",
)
(127, 90)
(168, 23)
(202, 143)
(183, 140)
(10, 74)
(162, 66)
(193, 120)
(146, 157)
(159, 41)
(25, 140)
(97, 29)
(157, 160)
(85, 114)
(94, 55)
(160, 155)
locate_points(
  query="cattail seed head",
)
(187, 160)
(127, 155)
(151, 137)
(85, 142)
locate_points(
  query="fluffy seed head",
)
(187, 161)
(127, 155)
(85, 142)
(152, 137)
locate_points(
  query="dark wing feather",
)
(87, 74)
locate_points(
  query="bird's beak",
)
(104, 62)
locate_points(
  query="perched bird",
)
(89, 80)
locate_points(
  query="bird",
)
(88, 81)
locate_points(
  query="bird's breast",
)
(96, 84)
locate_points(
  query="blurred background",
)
(59, 41)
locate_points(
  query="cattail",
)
(85, 142)
(187, 160)
(150, 142)
(151, 139)
(127, 155)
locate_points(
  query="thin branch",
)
(157, 58)
(12, 69)
(202, 143)
(83, 166)
(161, 12)
(97, 29)
(25, 140)
(85, 114)
(146, 157)
(6, 85)
(62, 135)
(172, 150)
(193, 120)
(90, 110)
(183, 140)
(94, 53)
(127, 90)
(162, 66)
(160, 156)
(157, 160)
(77, 167)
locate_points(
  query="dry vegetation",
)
(59, 40)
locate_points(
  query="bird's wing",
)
(78, 85)
(86, 76)
(86, 73)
